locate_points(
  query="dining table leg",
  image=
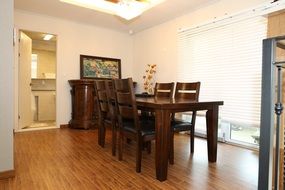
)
(162, 129)
(212, 132)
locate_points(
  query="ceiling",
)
(38, 36)
(163, 12)
(38, 43)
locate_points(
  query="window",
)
(227, 58)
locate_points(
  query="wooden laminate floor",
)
(65, 159)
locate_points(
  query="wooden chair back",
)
(125, 101)
(188, 91)
(110, 96)
(164, 90)
(102, 100)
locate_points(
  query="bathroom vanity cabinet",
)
(43, 102)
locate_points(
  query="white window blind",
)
(227, 60)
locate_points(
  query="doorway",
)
(37, 80)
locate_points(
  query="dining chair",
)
(106, 113)
(164, 90)
(189, 91)
(161, 90)
(130, 125)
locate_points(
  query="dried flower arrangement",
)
(149, 78)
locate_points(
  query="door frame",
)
(16, 79)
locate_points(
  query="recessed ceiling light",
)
(48, 37)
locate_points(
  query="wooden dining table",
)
(163, 108)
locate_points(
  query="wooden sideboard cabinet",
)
(83, 100)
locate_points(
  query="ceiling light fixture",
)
(48, 37)
(127, 9)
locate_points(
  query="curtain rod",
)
(260, 10)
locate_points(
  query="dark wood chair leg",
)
(101, 134)
(144, 145)
(121, 141)
(139, 155)
(148, 147)
(114, 140)
(171, 148)
(192, 133)
(129, 141)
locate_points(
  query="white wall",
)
(74, 39)
(6, 86)
(158, 45)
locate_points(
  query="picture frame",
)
(94, 67)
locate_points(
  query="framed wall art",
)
(94, 67)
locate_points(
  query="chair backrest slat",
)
(101, 95)
(124, 98)
(110, 90)
(164, 90)
(103, 101)
(188, 91)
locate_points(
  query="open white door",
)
(25, 94)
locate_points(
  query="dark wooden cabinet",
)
(83, 99)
